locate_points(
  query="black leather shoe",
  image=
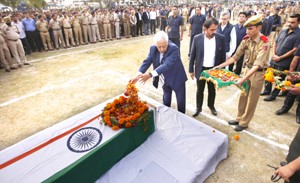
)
(239, 128)
(298, 119)
(197, 112)
(265, 93)
(233, 122)
(282, 94)
(281, 111)
(269, 98)
(213, 111)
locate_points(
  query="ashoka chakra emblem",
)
(84, 139)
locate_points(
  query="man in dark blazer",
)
(264, 27)
(204, 58)
(139, 22)
(146, 21)
(168, 68)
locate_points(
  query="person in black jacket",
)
(264, 26)
(139, 23)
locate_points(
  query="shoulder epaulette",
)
(246, 37)
(264, 38)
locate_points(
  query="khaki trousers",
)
(17, 50)
(101, 30)
(107, 31)
(86, 33)
(185, 18)
(126, 29)
(58, 37)
(78, 35)
(69, 35)
(5, 57)
(247, 102)
(95, 33)
(45, 36)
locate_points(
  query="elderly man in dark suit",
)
(168, 68)
(204, 58)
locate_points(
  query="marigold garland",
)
(273, 76)
(126, 111)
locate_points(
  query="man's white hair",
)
(161, 36)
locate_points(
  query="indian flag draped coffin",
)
(79, 149)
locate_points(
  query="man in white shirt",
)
(19, 24)
(204, 58)
(153, 21)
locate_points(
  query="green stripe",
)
(94, 164)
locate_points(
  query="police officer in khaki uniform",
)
(42, 26)
(185, 15)
(11, 35)
(106, 26)
(67, 30)
(112, 22)
(55, 25)
(100, 23)
(94, 28)
(76, 24)
(126, 23)
(86, 27)
(5, 56)
(255, 48)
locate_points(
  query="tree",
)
(12, 3)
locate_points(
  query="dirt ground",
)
(63, 83)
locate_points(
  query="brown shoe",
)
(26, 63)
(7, 70)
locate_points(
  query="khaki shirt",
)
(42, 26)
(11, 32)
(54, 24)
(93, 20)
(75, 22)
(256, 52)
(185, 12)
(105, 19)
(2, 40)
(111, 17)
(66, 22)
(85, 20)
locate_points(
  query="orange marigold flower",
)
(297, 84)
(283, 88)
(106, 118)
(287, 83)
(106, 113)
(112, 110)
(115, 128)
(116, 101)
(236, 137)
(121, 121)
(109, 123)
(128, 125)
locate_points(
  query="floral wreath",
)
(273, 76)
(126, 111)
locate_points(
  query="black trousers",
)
(34, 40)
(133, 30)
(139, 28)
(239, 66)
(163, 24)
(180, 96)
(176, 41)
(200, 92)
(268, 85)
(26, 46)
(152, 26)
(289, 102)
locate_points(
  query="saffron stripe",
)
(31, 151)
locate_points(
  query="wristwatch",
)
(150, 74)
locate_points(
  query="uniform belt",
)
(13, 39)
(44, 31)
(105, 23)
(56, 29)
(67, 27)
(259, 69)
(93, 24)
(84, 24)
